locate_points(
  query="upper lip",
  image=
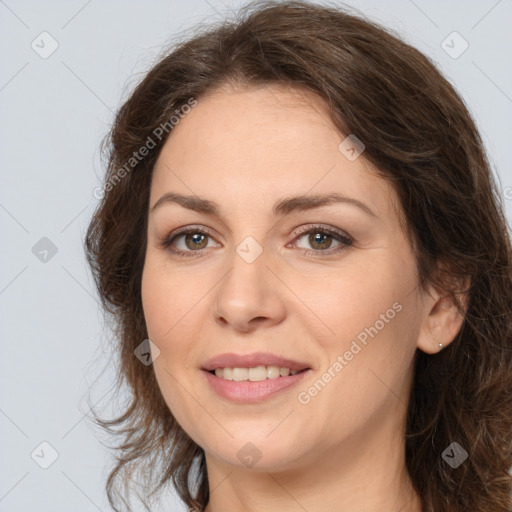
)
(231, 360)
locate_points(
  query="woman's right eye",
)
(192, 241)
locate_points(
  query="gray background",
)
(54, 112)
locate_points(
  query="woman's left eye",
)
(319, 238)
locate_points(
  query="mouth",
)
(248, 391)
(253, 378)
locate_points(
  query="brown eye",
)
(187, 242)
(320, 239)
(195, 241)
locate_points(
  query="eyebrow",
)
(281, 207)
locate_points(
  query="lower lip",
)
(252, 392)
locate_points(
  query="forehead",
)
(267, 142)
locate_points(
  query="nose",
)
(249, 295)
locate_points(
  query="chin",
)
(257, 453)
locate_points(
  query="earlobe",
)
(436, 341)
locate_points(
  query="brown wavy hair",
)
(420, 136)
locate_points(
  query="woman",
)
(302, 248)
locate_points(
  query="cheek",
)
(173, 301)
(167, 298)
(373, 317)
(355, 298)
(367, 362)
(167, 305)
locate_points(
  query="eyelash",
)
(344, 240)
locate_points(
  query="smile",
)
(255, 374)
(245, 390)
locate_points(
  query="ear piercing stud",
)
(440, 344)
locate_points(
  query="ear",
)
(442, 320)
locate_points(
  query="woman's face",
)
(340, 300)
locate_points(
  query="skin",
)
(245, 149)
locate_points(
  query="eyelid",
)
(168, 239)
(322, 227)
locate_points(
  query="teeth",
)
(240, 374)
(255, 374)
